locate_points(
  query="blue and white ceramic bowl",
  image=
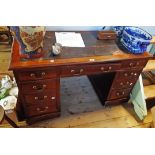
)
(135, 40)
(118, 30)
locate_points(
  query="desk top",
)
(95, 51)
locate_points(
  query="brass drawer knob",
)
(53, 98)
(44, 86)
(34, 87)
(126, 74)
(45, 97)
(137, 63)
(81, 70)
(72, 70)
(121, 83)
(110, 68)
(36, 98)
(32, 75)
(131, 64)
(118, 94)
(39, 110)
(102, 68)
(43, 73)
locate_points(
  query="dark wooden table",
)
(112, 71)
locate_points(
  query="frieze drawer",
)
(89, 69)
(38, 86)
(36, 74)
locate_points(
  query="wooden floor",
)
(121, 116)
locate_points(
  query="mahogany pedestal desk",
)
(112, 71)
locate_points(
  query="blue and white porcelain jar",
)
(30, 39)
(135, 40)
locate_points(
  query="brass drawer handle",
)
(108, 69)
(39, 87)
(38, 75)
(120, 93)
(39, 110)
(135, 74)
(127, 83)
(37, 98)
(80, 71)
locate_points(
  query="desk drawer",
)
(89, 69)
(140, 63)
(124, 84)
(39, 86)
(116, 94)
(40, 109)
(36, 74)
(41, 98)
(134, 74)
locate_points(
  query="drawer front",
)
(39, 86)
(88, 69)
(116, 94)
(36, 74)
(124, 84)
(125, 75)
(126, 79)
(134, 63)
(40, 109)
(41, 98)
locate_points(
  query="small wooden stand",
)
(106, 35)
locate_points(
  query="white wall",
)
(73, 28)
(150, 29)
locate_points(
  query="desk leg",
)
(19, 109)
